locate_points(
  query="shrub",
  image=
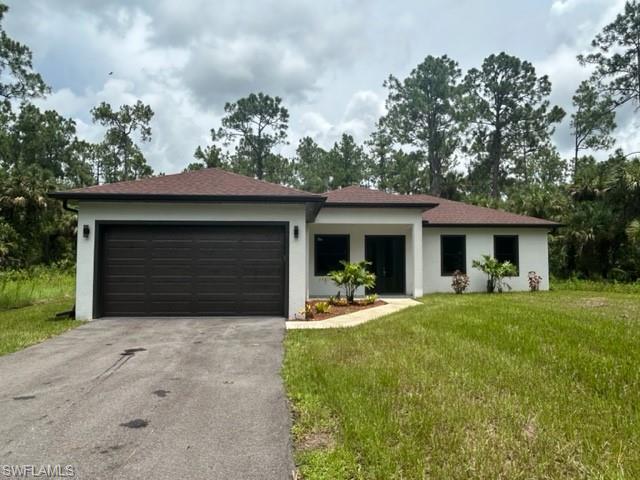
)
(307, 312)
(9, 240)
(459, 282)
(534, 281)
(323, 307)
(352, 276)
(496, 271)
(337, 301)
(370, 299)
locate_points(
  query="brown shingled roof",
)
(213, 184)
(451, 213)
(208, 183)
(356, 196)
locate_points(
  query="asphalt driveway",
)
(150, 398)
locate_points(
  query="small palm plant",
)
(496, 271)
(353, 276)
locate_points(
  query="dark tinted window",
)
(330, 249)
(453, 250)
(505, 249)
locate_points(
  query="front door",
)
(387, 256)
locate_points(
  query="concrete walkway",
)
(356, 318)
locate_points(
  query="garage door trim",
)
(97, 252)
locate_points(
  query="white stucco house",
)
(210, 242)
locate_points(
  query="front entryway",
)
(387, 256)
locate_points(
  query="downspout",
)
(69, 313)
(65, 206)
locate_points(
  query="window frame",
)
(517, 249)
(443, 273)
(316, 273)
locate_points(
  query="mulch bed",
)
(337, 310)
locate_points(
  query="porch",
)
(388, 238)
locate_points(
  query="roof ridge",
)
(142, 179)
(195, 173)
(260, 181)
(369, 189)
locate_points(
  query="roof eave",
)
(426, 223)
(424, 206)
(146, 197)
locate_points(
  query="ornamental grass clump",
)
(370, 299)
(323, 307)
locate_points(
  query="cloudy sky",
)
(326, 59)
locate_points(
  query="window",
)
(505, 248)
(329, 250)
(453, 250)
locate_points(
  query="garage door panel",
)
(169, 309)
(259, 253)
(171, 288)
(125, 243)
(224, 269)
(124, 253)
(118, 298)
(125, 288)
(209, 255)
(263, 284)
(172, 270)
(126, 270)
(220, 290)
(181, 254)
(227, 277)
(261, 274)
(158, 270)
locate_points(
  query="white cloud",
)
(359, 119)
(567, 7)
(560, 7)
(326, 59)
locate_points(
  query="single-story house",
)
(211, 242)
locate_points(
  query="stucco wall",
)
(359, 222)
(90, 212)
(533, 254)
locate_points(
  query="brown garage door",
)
(178, 270)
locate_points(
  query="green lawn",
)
(29, 302)
(506, 386)
(21, 327)
(26, 287)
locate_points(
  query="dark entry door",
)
(191, 270)
(387, 256)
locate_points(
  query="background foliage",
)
(482, 136)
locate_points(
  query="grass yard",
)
(21, 327)
(26, 287)
(513, 386)
(29, 302)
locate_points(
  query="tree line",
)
(483, 136)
